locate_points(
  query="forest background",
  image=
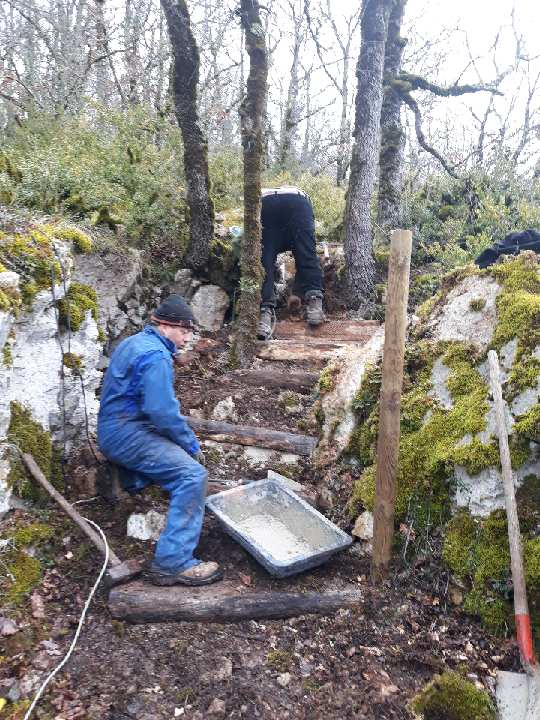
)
(88, 126)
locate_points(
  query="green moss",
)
(5, 302)
(422, 288)
(531, 555)
(476, 551)
(528, 425)
(33, 534)
(73, 307)
(427, 307)
(288, 399)
(477, 304)
(73, 361)
(82, 242)
(32, 256)
(327, 379)
(25, 572)
(450, 697)
(524, 374)
(102, 337)
(7, 355)
(30, 437)
(431, 437)
(493, 611)
(279, 660)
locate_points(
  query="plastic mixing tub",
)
(280, 529)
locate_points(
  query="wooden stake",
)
(390, 400)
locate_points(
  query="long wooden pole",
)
(521, 608)
(390, 400)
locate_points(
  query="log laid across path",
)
(256, 436)
(301, 382)
(333, 330)
(139, 602)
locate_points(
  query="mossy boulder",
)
(451, 697)
(449, 455)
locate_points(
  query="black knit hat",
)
(175, 310)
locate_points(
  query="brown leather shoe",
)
(204, 573)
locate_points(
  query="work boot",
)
(202, 574)
(314, 310)
(266, 323)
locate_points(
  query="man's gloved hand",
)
(199, 457)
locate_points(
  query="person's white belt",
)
(283, 191)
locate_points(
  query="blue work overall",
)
(140, 428)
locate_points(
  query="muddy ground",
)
(365, 663)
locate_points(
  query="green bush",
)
(455, 220)
(119, 168)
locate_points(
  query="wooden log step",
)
(307, 349)
(140, 602)
(249, 435)
(334, 330)
(301, 382)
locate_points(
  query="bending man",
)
(140, 428)
(288, 224)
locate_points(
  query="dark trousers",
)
(288, 224)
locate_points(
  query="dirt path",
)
(354, 664)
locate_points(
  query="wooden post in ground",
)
(390, 400)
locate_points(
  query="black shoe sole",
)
(167, 580)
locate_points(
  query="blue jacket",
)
(138, 389)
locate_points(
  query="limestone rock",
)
(182, 282)
(9, 280)
(147, 526)
(225, 410)
(209, 305)
(283, 679)
(217, 707)
(363, 527)
(456, 321)
(336, 404)
(115, 278)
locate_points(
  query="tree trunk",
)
(185, 80)
(392, 135)
(344, 127)
(289, 125)
(101, 66)
(358, 245)
(252, 112)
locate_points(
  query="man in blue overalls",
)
(140, 428)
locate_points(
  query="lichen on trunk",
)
(251, 115)
(185, 78)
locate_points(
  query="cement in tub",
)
(280, 529)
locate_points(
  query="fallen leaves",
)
(38, 606)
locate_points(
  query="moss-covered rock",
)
(32, 256)
(82, 243)
(73, 307)
(30, 437)
(450, 697)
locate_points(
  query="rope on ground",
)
(80, 625)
